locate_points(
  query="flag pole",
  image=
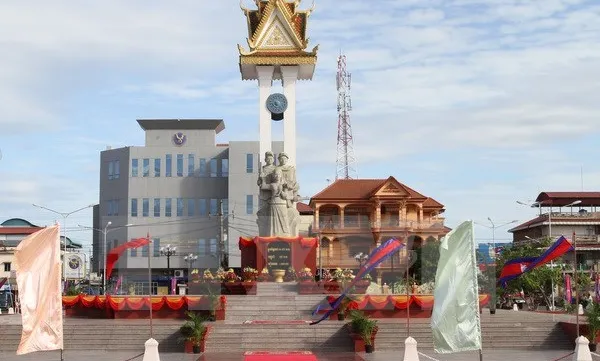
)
(474, 260)
(576, 285)
(150, 284)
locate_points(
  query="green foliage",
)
(72, 291)
(193, 329)
(593, 317)
(425, 266)
(362, 325)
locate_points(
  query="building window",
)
(213, 246)
(191, 165)
(249, 163)
(213, 167)
(145, 167)
(133, 252)
(225, 206)
(202, 167)
(113, 170)
(110, 170)
(249, 204)
(202, 207)
(180, 165)
(117, 169)
(213, 207)
(168, 165)
(224, 167)
(7, 267)
(190, 207)
(202, 247)
(167, 207)
(145, 207)
(156, 247)
(179, 207)
(134, 167)
(145, 250)
(156, 207)
(134, 207)
(113, 208)
(157, 167)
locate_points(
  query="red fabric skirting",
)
(133, 303)
(279, 356)
(395, 302)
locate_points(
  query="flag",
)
(377, 256)
(3, 281)
(516, 267)
(455, 319)
(568, 294)
(38, 266)
(115, 253)
(597, 287)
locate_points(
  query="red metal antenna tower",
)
(346, 162)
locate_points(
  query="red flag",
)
(3, 281)
(113, 255)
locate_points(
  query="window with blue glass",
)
(134, 207)
(249, 163)
(202, 168)
(190, 207)
(133, 252)
(214, 207)
(156, 207)
(224, 167)
(167, 207)
(249, 204)
(180, 165)
(202, 247)
(156, 247)
(180, 207)
(213, 246)
(145, 250)
(168, 165)
(134, 167)
(145, 167)
(145, 207)
(225, 206)
(111, 170)
(114, 169)
(213, 168)
(191, 164)
(202, 207)
(157, 167)
(109, 208)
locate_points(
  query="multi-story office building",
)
(175, 188)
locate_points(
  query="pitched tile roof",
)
(304, 208)
(559, 199)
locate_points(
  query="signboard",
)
(279, 256)
(74, 264)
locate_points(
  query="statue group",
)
(278, 194)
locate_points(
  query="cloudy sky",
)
(476, 103)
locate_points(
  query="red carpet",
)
(279, 356)
(277, 322)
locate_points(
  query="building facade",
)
(184, 190)
(565, 213)
(353, 216)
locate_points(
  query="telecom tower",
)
(346, 162)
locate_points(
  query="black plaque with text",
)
(279, 256)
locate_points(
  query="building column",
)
(289, 75)
(402, 214)
(265, 82)
(342, 216)
(420, 212)
(316, 218)
(378, 214)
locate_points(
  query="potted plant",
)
(264, 275)
(290, 275)
(343, 308)
(250, 274)
(306, 282)
(193, 332)
(592, 313)
(362, 330)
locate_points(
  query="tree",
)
(426, 263)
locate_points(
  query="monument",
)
(277, 41)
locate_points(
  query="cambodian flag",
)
(568, 295)
(378, 255)
(516, 267)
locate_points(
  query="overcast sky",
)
(476, 103)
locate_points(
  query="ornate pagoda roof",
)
(277, 34)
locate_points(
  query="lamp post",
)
(190, 259)
(168, 251)
(64, 215)
(104, 233)
(360, 258)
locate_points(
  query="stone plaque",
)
(279, 256)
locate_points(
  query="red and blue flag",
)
(516, 267)
(377, 256)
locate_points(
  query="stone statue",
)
(277, 215)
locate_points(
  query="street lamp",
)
(360, 258)
(65, 215)
(493, 227)
(104, 233)
(190, 258)
(168, 251)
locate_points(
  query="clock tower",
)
(277, 51)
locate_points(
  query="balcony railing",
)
(333, 224)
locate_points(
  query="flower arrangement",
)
(347, 274)
(220, 274)
(207, 276)
(290, 275)
(195, 276)
(326, 275)
(367, 277)
(230, 276)
(305, 275)
(250, 274)
(338, 275)
(264, 275)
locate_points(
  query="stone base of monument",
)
(278, 275)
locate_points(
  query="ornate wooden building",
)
(353, 216)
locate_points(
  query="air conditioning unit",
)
(179, 273)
